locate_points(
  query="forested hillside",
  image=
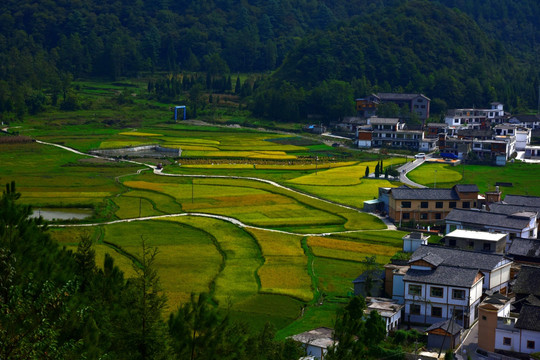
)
(416, 47)
(396, 44)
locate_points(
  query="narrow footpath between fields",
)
(389, 225)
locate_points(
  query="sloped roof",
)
(526, 118)
(429, 257)
(443, 275)
(459, 257)
(437, 125)
(508, 209)
(383, 121)
(398, 96)
(322, 337)
(496, 299)
(464, 188)
(528, 281)
(525, 247)
(522, 200)
(449, 326)
(407, 193)
(529, 318)
(487, 218)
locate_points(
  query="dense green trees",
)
(56, 304)
(457, 57)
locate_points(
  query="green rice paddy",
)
(258, 273)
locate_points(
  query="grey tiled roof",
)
(460, 258)
(406, 193)
(383, 121)
(527, 118)
(525, 247)
(402, 193)
(398, 96)
(529, 318)
(443, 275)
(486, 218)
(503, 208)
(522, 200)
(528, 281)
(466, 188)
(437, 125)
(450, 326)
(429, 257)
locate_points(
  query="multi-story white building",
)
(444, 283)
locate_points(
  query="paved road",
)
(403, 170)
(156, 171)
(469, 345)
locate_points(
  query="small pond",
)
(63, 213)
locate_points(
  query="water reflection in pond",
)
(62, 214)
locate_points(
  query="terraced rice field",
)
(259, 273)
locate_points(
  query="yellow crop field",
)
(187, 260)
(278, 244)
(187, 140)
(349, 175)
(137, 133)
(286, 275)
(116, 144)
(185, 147)
(285, 266)
(351, 246)
(353, 195)
(220, 166)
(279, 155)
(261, 146)
(238, 279)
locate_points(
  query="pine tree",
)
(367, 171)
(238, 86)
(377, 170)
(146, 334)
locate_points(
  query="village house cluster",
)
(484, 272)
(488, 135)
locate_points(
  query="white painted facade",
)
(448, 302)
(508, 338)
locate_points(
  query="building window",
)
(405, 204)
(415, 309)
(487, 247)
(406, 216)
(452, 242)
(438, 216)
(471, 244)
(458, 314)
(458, 294)
(484, 317)
(466, 205)
(507, 341)
(439, 204)
(452, 204)
(437, 292)
(530, 344)
(436, 311)
(415, 290)
(424, 204)
(423, 216)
